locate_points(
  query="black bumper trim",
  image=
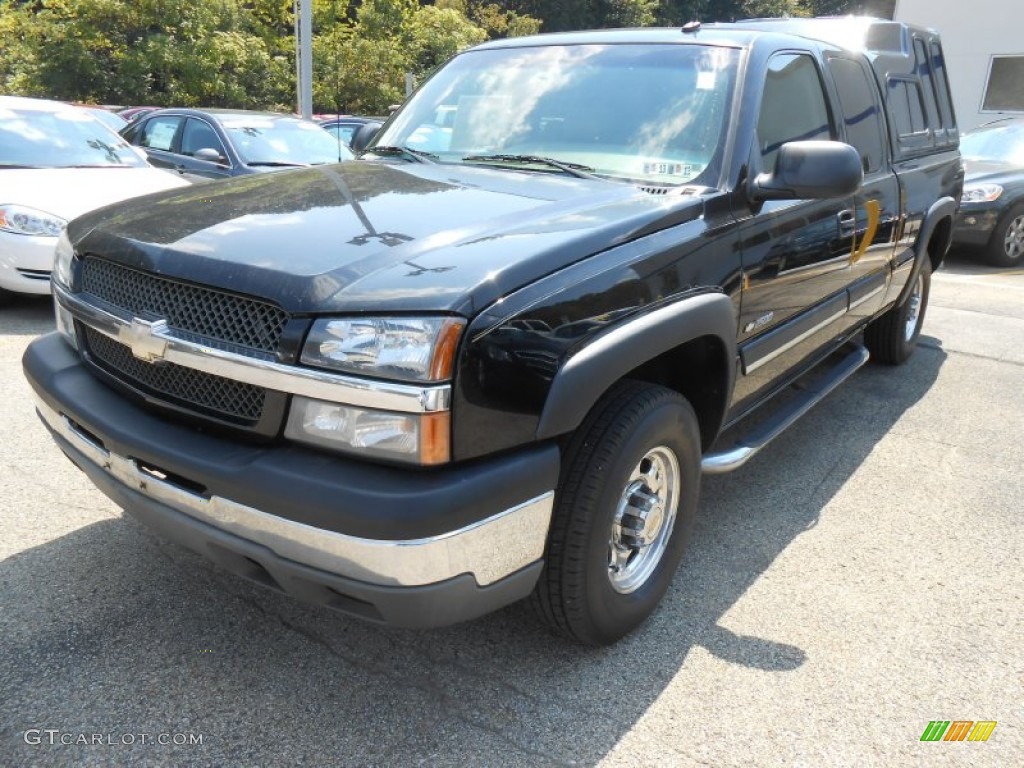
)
(415, 607)
(324, 491)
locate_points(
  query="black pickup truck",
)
(492, 358)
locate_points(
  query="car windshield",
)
(113, 121)
(283, 141)
(651, 113)
(61, 139)
(996, 143)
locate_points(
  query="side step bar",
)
(745, 448)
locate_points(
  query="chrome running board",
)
(747, 446)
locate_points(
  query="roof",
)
(224, 115)
(864, 33)
(719, 35)
(850, 32)
(38, 105)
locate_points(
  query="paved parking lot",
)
(860, 578)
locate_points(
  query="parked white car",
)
(57, 162)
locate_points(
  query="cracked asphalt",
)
(859, 578)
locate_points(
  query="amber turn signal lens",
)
(443, 361)
(435, 438)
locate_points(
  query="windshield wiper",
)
(18, 165)
(416, 155)
(573, 169)
(275, 164)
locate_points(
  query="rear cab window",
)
(861, 110)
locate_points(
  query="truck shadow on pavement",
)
(109, 629)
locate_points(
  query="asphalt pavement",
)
(861, 577)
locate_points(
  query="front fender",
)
(616, 352)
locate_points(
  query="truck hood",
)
(381, 236)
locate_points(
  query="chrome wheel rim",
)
(1013, 243)
(914, 309)
(644, 518)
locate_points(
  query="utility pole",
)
(304, 56)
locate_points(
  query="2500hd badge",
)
(490, 359)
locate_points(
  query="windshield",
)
(283, 141)
(997, 143)
(650, 113)
(113, 121)
(67, 138)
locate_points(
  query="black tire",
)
(1006, 246)
(6, 297)
(579, 593)
(892, 338)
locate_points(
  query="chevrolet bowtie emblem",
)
(143, 337)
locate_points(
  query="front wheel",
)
(1006, 248)
(892, 338)
(626, 504)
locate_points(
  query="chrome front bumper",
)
(488, 550)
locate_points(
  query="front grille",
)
(204, 315)
(225, 399)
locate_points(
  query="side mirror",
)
(209, 155)
(364, 135)
(810, 170)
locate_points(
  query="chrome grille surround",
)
(276, 377)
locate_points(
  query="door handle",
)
(847, 223)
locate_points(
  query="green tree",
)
(880, 8)
(241, 53)
(629, 13)
(369, 78)
(181, 52)
(493, 18)
(385, 19)
(362, 67)
(438, 34)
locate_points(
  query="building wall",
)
(972, 32)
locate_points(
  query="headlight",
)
(401, 348)
(979, 193)
(416, 438)
(28, 221)
(62, 257)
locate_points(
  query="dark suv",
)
(491, 359)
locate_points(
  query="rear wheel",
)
(626, 505)
(1006, 248)
(892, 338)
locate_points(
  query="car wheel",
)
(623, 514)
(6, 297)
(892, 338)
(1006, 247)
